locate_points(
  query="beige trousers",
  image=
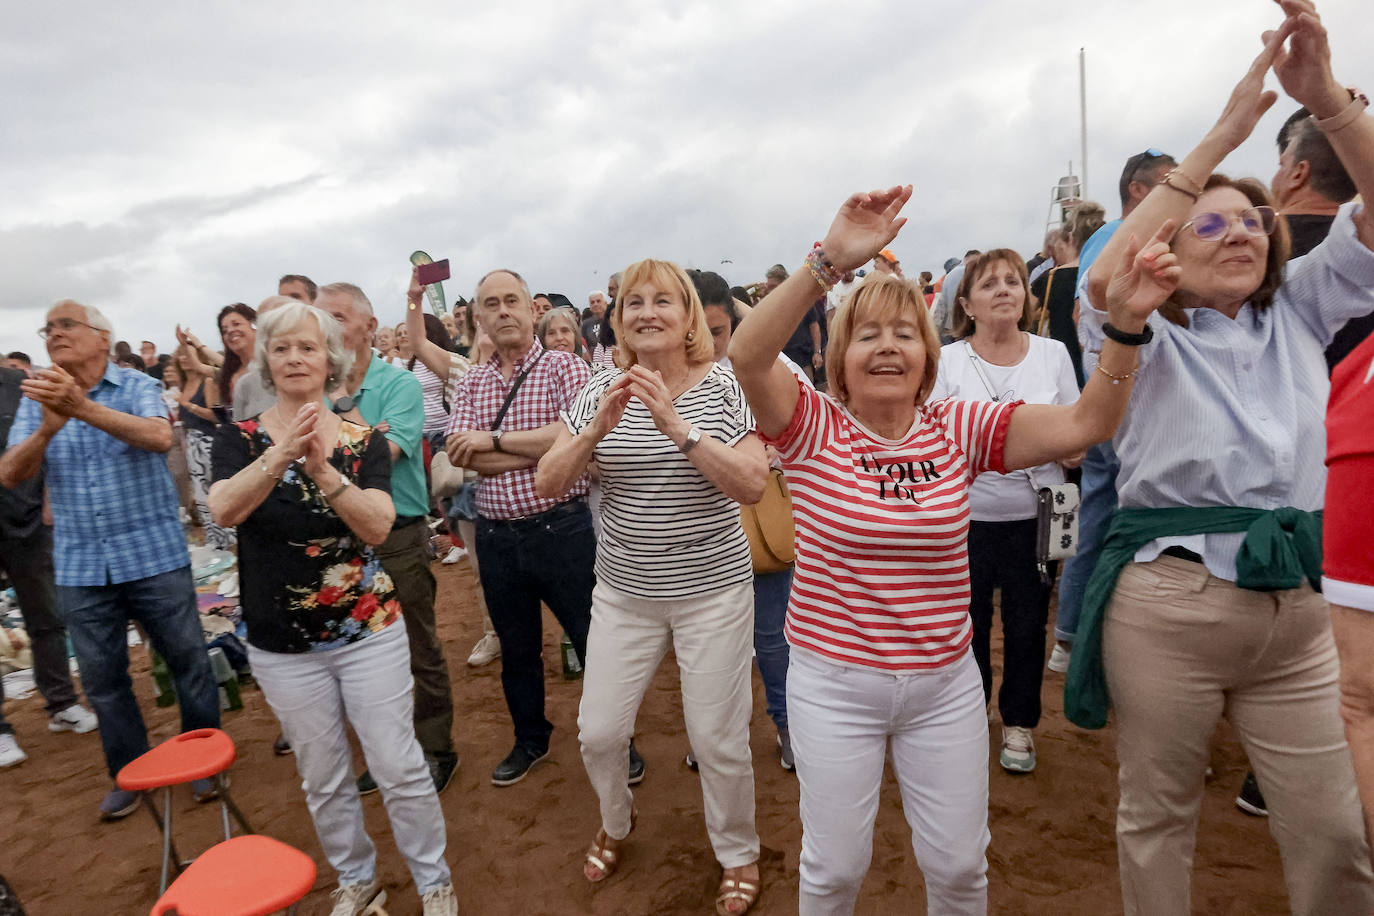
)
(1183, 648)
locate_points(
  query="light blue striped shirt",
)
(1231, 413)
(114, 505)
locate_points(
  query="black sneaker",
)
(366, 784)
(281, 747)
(1250, 800)
(517, 763)
(441, 769)
(636, 766)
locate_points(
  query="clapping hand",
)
(865, 225)
(650, 390)
(302, 438)
(611, 407)
(56, 390)
(1143, 279)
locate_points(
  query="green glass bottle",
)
(162, 680)
(572, 665)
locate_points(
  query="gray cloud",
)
(161, 161)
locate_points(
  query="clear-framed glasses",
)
(65, 325)
(1212, 227)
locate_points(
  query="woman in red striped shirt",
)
(878, 620)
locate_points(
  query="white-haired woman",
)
(310, 493)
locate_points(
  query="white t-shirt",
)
(666, 531)
(1044, 376)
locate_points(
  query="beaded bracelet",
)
(1116, 379)
(822, 271)
(262, 462)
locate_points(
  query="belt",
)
(1181, 553)
(570, 507)
(405, 521)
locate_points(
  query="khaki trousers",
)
(1183, 648)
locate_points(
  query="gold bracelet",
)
(1197, 188)
(1117, 379)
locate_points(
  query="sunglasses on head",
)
(1211, 226)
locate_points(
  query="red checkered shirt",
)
(550, 388)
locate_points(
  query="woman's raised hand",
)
(864, 226)
(417, 290)
(300, 434)
(1250, 100)
(1304, 67)
(1142, 280)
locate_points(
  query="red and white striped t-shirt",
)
(882, 530)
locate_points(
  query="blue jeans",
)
(1095, 508)
(771, 591)
(97, 619)
(550, 557)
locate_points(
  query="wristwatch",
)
(496, 440)
(693, 437)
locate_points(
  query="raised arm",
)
(1304, 71)
(1174, 198)
(865, 224)
(436, 358)
(1049, 432)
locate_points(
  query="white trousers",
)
(713, 637)
(844, 721)
(316, 696)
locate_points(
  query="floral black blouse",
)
(306, 582)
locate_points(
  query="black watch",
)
(343, 405)
(1125, 338)
(496, 440)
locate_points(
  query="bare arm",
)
(564, 463)
(475, 449)
(740, 471)
(235, 498)
(368, 513)
(436, 358)
(1049, 432)
(863, 226)
(1353, 629)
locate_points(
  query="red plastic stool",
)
(198, 754)
(245, 876)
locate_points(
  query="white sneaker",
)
(454, 555)
(358, 899)
(1018, 749)
(488, 649)
(440, 901)
(11, 754)
(75, 718)
(1059, 659)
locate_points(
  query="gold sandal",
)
(604, 853)
(745, 890)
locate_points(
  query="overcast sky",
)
(162, 160)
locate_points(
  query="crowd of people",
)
(1176, 363)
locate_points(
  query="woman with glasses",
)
(1204, 600)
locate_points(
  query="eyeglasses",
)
(1139, 159)
(1212, 227)
(65, 325)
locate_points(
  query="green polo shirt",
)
(392, 394)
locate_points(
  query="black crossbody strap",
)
(519, 380)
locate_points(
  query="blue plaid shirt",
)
(114, 506)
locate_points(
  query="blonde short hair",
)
(881, 297)
(284, 318)
(665, 275)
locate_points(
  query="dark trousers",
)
(549, 558)
(1002, 555)
(405, 558)
(97, 617)
(28, 563)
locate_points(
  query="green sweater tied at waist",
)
(1281, 548)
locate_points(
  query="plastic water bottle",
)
(162, 680)
(229, 696)
(572, 665)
